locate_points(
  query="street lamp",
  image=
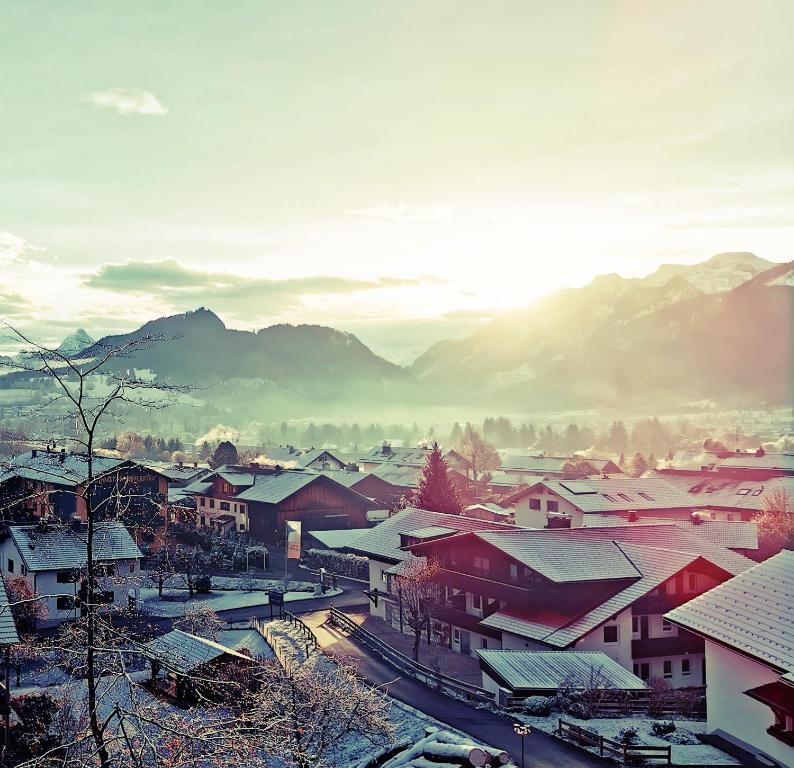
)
(523, 731)
(322, 581)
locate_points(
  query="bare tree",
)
(480, 454)
(200, 620)
(418, 595)
(305, 713)
(775, 522)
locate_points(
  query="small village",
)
(578, 610)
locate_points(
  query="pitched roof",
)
(47, 467)
(182, 652)
(547, 670)
(613, 494)
(535, 464)
(562, 558)
(8, 630)
(337, 539)
(347, 478)
(56, 547)
(274, 487)
(718, 491)
(736, 534)
(399, 475)
(752, 613)
(383, 541)
(174, 472)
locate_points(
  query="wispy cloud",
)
(129, 101)
(179, 286)
(405, 212)
(14, 247)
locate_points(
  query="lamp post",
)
(322, 581)
(523, 731)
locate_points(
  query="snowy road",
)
(542, 750)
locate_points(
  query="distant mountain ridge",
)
(720, 330)
(311, 360)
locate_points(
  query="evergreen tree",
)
(225, 453)
(638, 465)
(436, 491)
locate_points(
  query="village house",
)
(52, 483)
(747, 624)
(408, 457)
(382, 545)
(53, 558)
(260, 500)
(290, 457)
(570, 502)
(528, 467)
(603, 589)
(747, 465)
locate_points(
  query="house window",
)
(608, 497)
(66, 577)
(743, 492)
(203, 520)
(484, 643)
(551, 506)
(513, 572)
(242, 509)
(729, 517)
(212, 503)
(685, 666)
(132, 567)
(645, 671)
(64, 603)
(202, 502)
(645, 496)
(667, 668)
(534, 503)
(670, 587)
(666, 626)
(481, 563)
(242, 526)
(624, 497)
(610, 634)
(635, 624)
(692, 582)
(455, 635)
(225, 506)
(10, 565)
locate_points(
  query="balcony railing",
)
(481, 585)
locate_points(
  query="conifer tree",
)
(436, 492)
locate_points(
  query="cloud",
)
(405, 212)
(180, 286)
(129, 101)
(14, 248)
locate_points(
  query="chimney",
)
(34, 453)
(76, 524)
(695, 518)
(195, 465)
(386, 450)
(62, 456)
(278, 469)
(180, 463)
(633, 516)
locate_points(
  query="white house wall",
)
(734, 715)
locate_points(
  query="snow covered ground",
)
(219, 601)
(682, 754)
(178, 581)
(410, 724)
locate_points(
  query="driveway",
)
(542, 750)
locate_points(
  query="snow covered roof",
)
(398, 475)
(8, 630)
(57, 547)
(175, 472)
(337, 539)
(444, 749)
(47, 467)
(736, 534)
(563, 558)
(613, 494)
(383, 541)
(530, 463)
(547, 670)
(752, 613)
(182, 652)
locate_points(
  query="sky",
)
(403, 170)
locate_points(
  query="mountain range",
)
(720, 331)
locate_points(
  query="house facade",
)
(747, 625)
(53, 557)
(260, 500)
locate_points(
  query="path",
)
(542, 750)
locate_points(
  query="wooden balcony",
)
(652, 647)
(514, 595)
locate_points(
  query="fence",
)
(285, 651)
(630, 754)
(432, 679)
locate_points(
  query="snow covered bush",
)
(338, 563)
(628, 735)
(539, 706)
(662, 727)
(203, 585)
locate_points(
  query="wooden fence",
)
(432, 679)
(629, 754)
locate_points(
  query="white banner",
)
(293, 540)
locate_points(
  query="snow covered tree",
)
(436, 491)
(638, 465)
(775, 523)
(200, 620)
